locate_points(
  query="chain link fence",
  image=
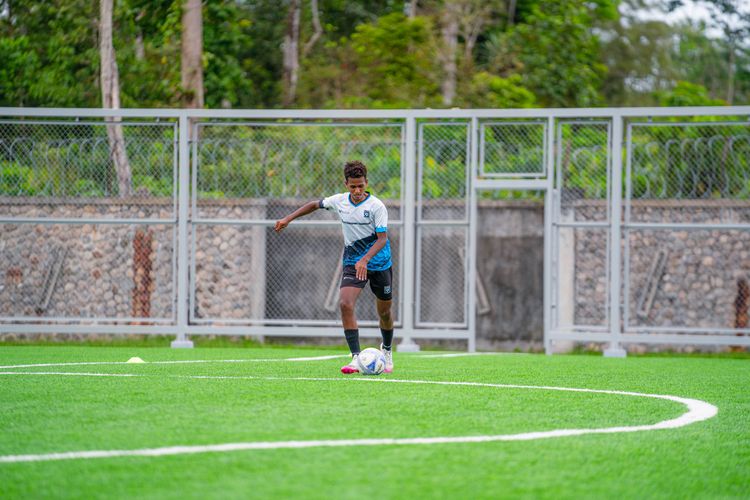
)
(684, 272)
(72, 194)
(582, 221)
(443, 224)
(91, 226)
(513, 149)
(249, 175)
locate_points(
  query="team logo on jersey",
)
(367, 214)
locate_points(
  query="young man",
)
(367, 256)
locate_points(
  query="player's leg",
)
(386, 330)
(351, 287)
(381, 286)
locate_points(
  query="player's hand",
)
(280, 224)
(361, 268)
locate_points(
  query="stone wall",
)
(248, 271)
(675, 278)
(100, 274)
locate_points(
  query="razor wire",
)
(49, 163)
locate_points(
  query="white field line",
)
(463, 354)
(697, 411)
(73, 374)
(177, 362)
(250, 360)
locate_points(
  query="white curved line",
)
(697, 411)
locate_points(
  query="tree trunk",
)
(410, 6)
(110, 83)
(318, 29)
(449, 31)
(511, 12)
(291, 52)
(140, 49)
(730, 74)
(192, 53)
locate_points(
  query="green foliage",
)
(388, 63)
(19, 66)
(51, 62)
(394, 57)
(444, 162)
(639, 55)
(584, 160)
(688, 94)
(16, 180)
(370, 54)
(560, 54)
(290, 161)
(490, 91)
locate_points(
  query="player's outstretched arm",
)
(305, 209)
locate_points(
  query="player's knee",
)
(385, 314)
(346, 306)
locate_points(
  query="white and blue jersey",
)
(361, 223)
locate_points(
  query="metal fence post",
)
(615, 350)
(473, 228)
(548, 233)
(182, 233)
(409, 216)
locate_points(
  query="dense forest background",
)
(371, 53)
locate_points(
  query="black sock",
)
(352, 338)
(387, 338)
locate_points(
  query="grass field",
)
(252, 396)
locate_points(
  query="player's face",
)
(357, 187)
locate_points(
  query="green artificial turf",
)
(264, 398)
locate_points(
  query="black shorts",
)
(380, 281)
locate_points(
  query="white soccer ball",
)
(371, 361)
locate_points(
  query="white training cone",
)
(135, 360)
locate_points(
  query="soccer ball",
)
(371, 361)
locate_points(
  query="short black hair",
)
(354, 169)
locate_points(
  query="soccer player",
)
(367, 256)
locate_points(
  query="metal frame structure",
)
(619, 121)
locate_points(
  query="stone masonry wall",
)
(248, 271)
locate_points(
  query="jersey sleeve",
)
(380, 218)
(329, 203)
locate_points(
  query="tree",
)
(191, 67)
(490, 91)
(394, 57)
(110, 84)
(46, 50)
(291, 52)
(316, 26)
(688, 94)
(734, 24)
(640, 59)
(449, 20)
(560, 52)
